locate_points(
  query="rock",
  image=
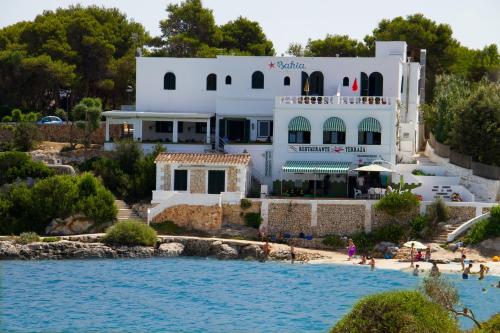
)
(170, 250)
(380, 249)
(252, 251)
(281, 254)
(490, 247)
(73, 225)
(197, 247)
(226, 251)
(135, 251)
(8, 250)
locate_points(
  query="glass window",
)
(369, 138)
(345, 81)
(180, 180)
(334, 137)
(229, 79)
(257, 80)
(201, 128)
(169, 81)
(286, 81)
(299, 137)
(212, 82)
(263, 128)
(163, 126)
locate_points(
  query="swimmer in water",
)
(466, 272)
(483, 269)
(372, 263)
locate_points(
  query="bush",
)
(487, 228)
(25, 136)
(14, 165)
(253, 220)
(418, 172)
(168, 228)
(396, 311)
(335, 241)
(27, 238)
(395, 203)
(492, 325)
(51, 239)
(439, 211)
(245, 203)
(6, 119)
(130, 233)
(419, 224)
(393, 233)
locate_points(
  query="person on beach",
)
(434, 270)
(418, 257)
(372, 263)
(483, 269)
(363, 260)
(462, 261)
(415, 270)
(412, 254)
(428, 254)
(466, 272)
(267, 249)
(351, 249)
(292, 253)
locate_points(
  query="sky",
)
(474, 23)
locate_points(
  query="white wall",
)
(258, 158)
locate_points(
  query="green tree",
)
(396, 311)
(419, 33)
(18, 165)
(87, 114)
(25, 136)
(245, 36)
(332, 46)
(492, 325)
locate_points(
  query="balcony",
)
(332, 101)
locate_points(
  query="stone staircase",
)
(124, 211)
(442, 237)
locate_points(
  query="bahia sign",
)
(286, 65)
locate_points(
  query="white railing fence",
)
(336, 100)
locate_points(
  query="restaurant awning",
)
(330, 167)
(299, 124)
(334, 124)
(370, 125)
(373, 168)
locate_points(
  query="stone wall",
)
(167, 179)
(380, 218)
(290, 217)
(459, 215)
(197, 181)
(58, 133)
(340, 219)
(196, 217)
(232, 179)
(234, 214)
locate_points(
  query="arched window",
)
(257, 80)
(229, 79)
(299, 130)
(334, 131)
(169, 81)
(364, 84)
(369, 132)
(345, 81)
(376, 84)
(316, 82)
(286, 81)
(212, 82)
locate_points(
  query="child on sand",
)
(372, 263)
(428, 254)
(351, 249)
(462, 261)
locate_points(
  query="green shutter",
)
(330, 167)
(334, 124)
(299, 124)
(370, 125)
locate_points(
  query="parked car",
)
(50, 120)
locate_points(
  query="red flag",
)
(355, 85)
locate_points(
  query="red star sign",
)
(271, 65)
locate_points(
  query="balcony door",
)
(216, 181)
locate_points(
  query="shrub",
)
(439, 211)
(168, 228)
(61, 114)
(51, 239)
(245, 204)
(95, 201)
(28, 237)
(253, 220)
(418, 224)
(25, 136)
(394, 203)
(393, 233)
(418, 172)
(14, 165)
(334, 241)
(7, 119)
(396, 311)
(487, 228)
(130, 233)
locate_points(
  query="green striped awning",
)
(299, 124)
(370, 125)
(334, 124)
(331, 167)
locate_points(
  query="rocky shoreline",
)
(89, 247)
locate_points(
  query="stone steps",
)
(442, 237)
(124, 211)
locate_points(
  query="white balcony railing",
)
(335, 100)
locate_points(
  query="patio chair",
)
(358, 194)
(371, 193)
(309, 237)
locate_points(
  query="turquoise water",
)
(196, 295)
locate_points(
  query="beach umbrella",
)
(373, 168)
(416, 245)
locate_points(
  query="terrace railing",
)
(336, 100)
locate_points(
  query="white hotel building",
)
(300, 118)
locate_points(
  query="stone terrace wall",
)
(460, 215)
(196, 217)
(57, 133)
(380, 218)
(290, 217)
(339, 219)
(234, 214)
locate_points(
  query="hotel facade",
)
(306, 120)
